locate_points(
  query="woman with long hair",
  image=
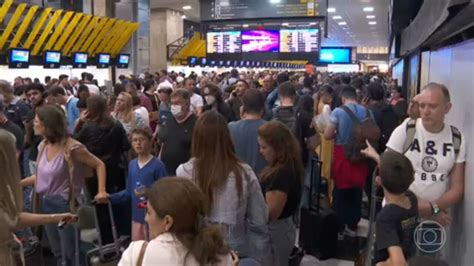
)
(322, 113)
(105, 137)
(11, 200)
(124, 113)
(230, 187)
(281, 184)
(61, 165)
(175, 208)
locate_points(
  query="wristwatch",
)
(435, 208)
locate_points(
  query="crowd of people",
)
(213, 168)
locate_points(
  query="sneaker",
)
(350, 233)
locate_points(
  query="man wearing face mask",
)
(176, 132)
(213, 101)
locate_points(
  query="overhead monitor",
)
(299, 40)
(51, 59)
(202, 61)
(212, 63)
(335, 55)
(18, 58)
(192, 61)
(220, 63)
(223, 42)
(123, 60)
(79, 60)
(260, 41)
(103, 60)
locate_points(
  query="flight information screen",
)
(223, 42)
(299, 40)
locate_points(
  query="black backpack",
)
(363, 130)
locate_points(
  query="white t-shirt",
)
(196, 101)
(432, 156)
(142, 112)
(165, 249)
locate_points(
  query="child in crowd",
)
(142, 172)
(396, 222)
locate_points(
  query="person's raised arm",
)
(84, 156)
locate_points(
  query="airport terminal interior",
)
(236, 132)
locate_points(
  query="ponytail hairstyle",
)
(326, 90)
(186, 204)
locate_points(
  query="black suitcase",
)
(107, 254)
(319, 225)
(33, 253)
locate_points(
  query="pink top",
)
(52, 176)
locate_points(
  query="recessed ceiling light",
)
(337, 17)
(342, 23)
(331, 10)
(285, 24)
(313, 23)
(368, 9)
(372, 22)
(245, 26)
(183, 16)
(187, 7)
(370, 16)
(275, 1)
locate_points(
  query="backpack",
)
(410, 137)
(291, 122)
(363, 130)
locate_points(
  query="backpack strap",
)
(410, 135)
(457, 139)
(351, 114)
(141, 255)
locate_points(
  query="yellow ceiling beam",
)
(77, 32)
(90, 27)
(101, 35)
(24, 25)
(11, 24)
(39, 23)
(113, 36)
(46, 32)
(124, 38)
(94, 33)
(68, 31)
(4, 9)
(58, 30)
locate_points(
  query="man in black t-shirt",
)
(397, 221)
(36, 97)
(177, 132)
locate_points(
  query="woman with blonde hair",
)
(124, 113)
(281, 184)
(230, 186)
(11, 201)
(175, 208)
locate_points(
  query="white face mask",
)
(176, 110)
(210, 99)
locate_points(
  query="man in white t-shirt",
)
(197, 102)
(437, 152)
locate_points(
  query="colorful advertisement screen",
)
(80, 58)
(53, 57)
(223, 42)
(335, 55)
(260, 41)
(299, 41)
(19, 56)
(104, 59)
(123, 59)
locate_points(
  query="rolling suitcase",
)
(105, 255)
(319, 225)
(32, 252)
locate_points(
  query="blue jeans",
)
(62, 241)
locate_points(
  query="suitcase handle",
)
(314, 160)
(114, 229)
